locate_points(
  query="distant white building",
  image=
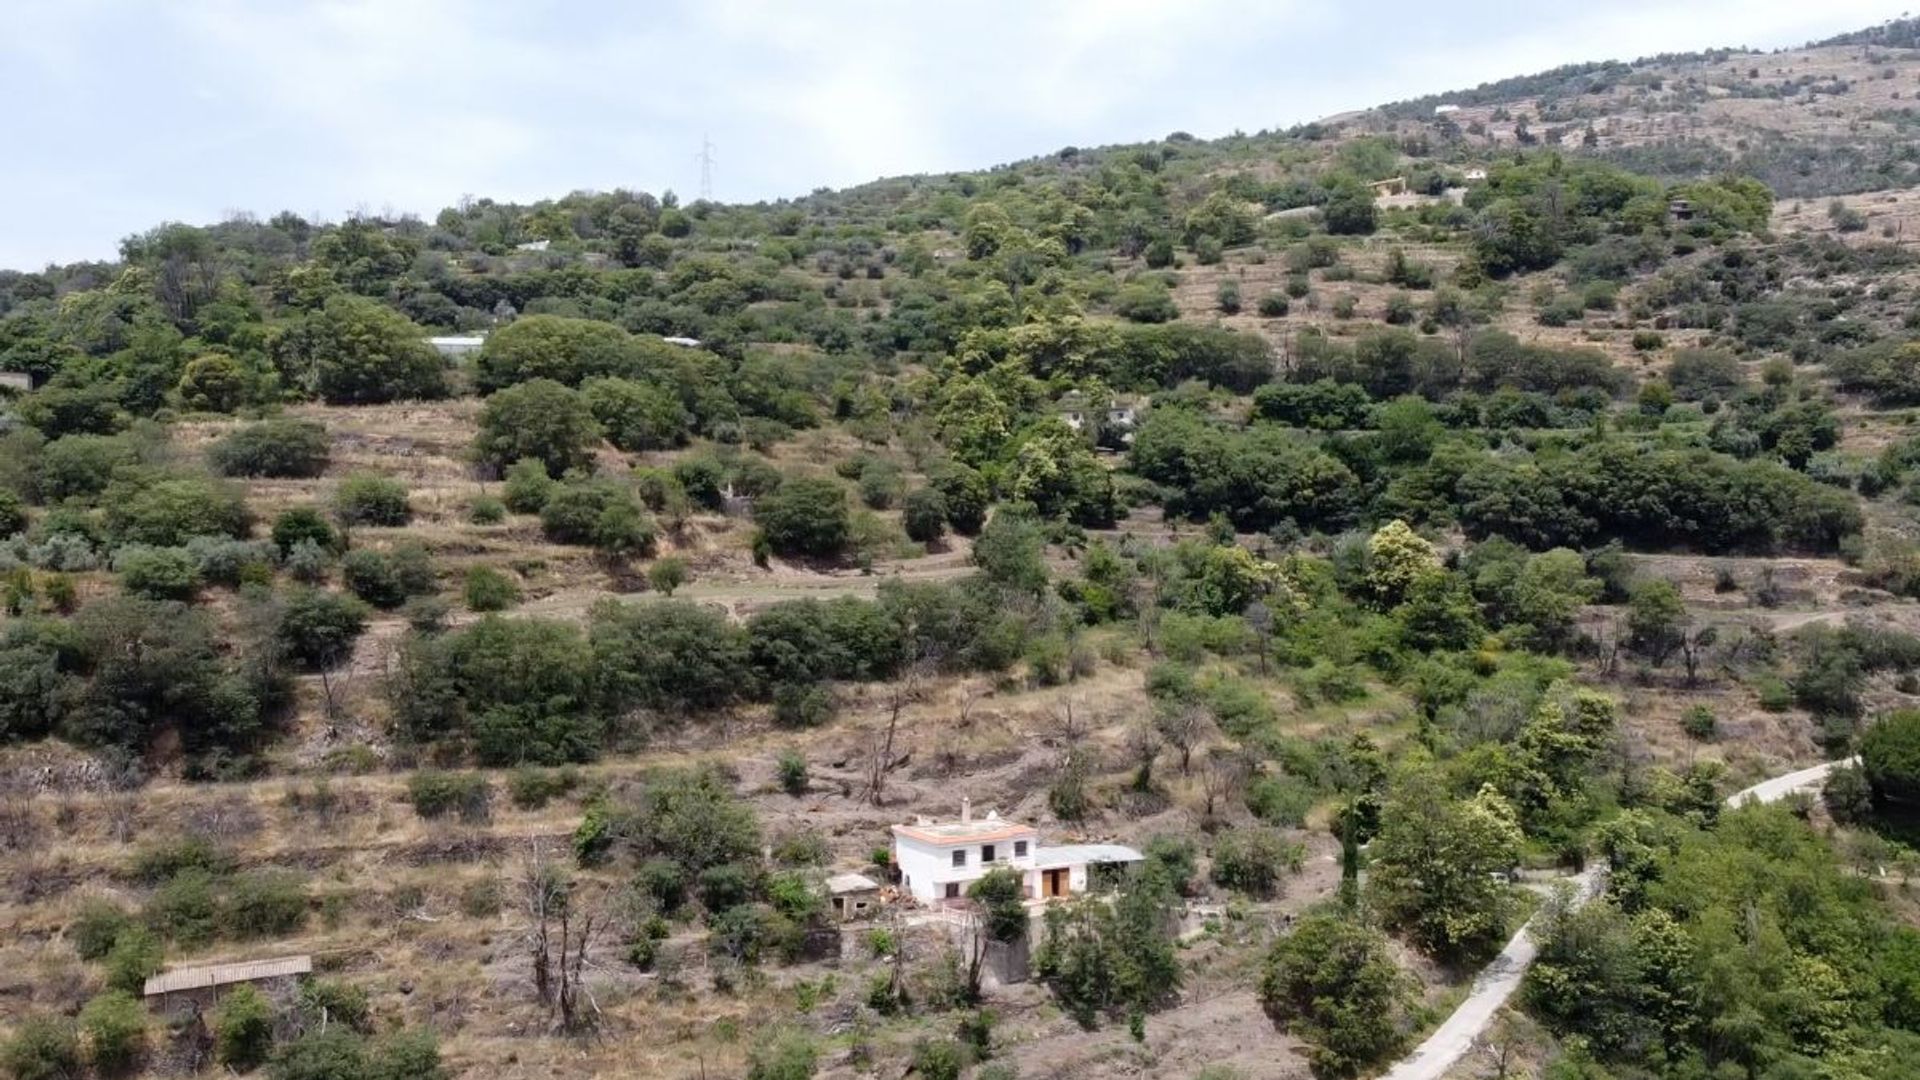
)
(939, 860)
(1475, 175)
(533, 245)
(16, 380)
(1445, 110)
(683, 342)
(458, 346)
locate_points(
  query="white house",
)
(533, 245)
(456, 347)
(683, 342)
(938, 860)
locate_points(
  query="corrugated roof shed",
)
(201, 978)
(1053, 857)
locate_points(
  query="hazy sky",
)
(125, 114)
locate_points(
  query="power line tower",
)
(705, 158)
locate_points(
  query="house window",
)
(1019, 849)
(953, 890)
(986, 853)
(960, 856)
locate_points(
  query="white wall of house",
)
(926, 869)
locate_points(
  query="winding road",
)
(1493, 986)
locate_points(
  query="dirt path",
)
(1454, 1038)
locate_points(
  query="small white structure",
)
(16, 380)
(533, 245)
(456, 347)
(938, 860)
(683, 342)
(854, 896)
(1445, 110)
(1475, 175)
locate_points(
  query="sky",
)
(127, 113)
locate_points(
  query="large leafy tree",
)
(540, 419)
(1333, 983)
(356, 351)
(1437, 864)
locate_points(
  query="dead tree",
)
(881, 756)
(562, 925)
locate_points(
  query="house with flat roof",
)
(939, 860)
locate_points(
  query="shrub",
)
(924, 515)
(318, 628)
(1274, 305)
(242, 1028)
(538, 419)
(1145, 302)
(231, 563)
(387, 579)
(43, 1048)
(1227, 297)
(790, 1056)
(115, 1025)
(1279, 800)
(185, 910)
(276, 448)
(1698, 723)
(528, 486)
(531, 788)
(303, 523)
(486, 510)
(1252, 860)
(792, 770)
(598, 513)
(167, 511)
(371, 499)
(939, 1059)
(806, 516)
(667, 574)
(264, 903)
(96, 927)
(488, 589)
(159, 573)
(135, 957)
(802, 705)
(435, 794)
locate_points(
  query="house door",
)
(1053, 883)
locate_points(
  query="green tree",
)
(371, 499)
(1011, 550)
(242, 1028)
(1437, 867)
(318, 628)
(1657, 620)
(563, 350)
(273, 448)
(805, 516)
(357, 351)
(1333, 984)
(667, 574)
(539, 419)
(116, 1031)
(1890, 757)
(637, 416)
(924, 515)
(43, 1048)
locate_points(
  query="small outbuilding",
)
(853, 896)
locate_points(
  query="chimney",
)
(966, 809)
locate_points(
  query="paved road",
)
(1491, 989)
